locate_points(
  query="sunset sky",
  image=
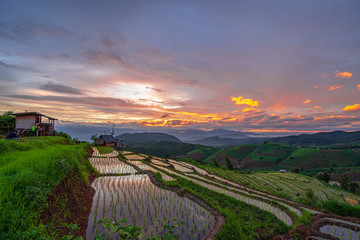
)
(241, 65)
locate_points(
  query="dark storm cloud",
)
(107, 102)
(54, 87)
(17, 67)
(23, 31)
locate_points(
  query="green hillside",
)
(288, 185)
(274, 156)
(171, 149)
(29, 171)
(141, 139)
(316, 158)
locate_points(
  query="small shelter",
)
(34, 121)
(107, 140)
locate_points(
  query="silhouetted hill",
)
(140, 139)
(171, 149)
(319, 139)
(226, 142)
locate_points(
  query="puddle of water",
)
(135, 199)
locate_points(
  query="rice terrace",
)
(138, 196)
(179, 120)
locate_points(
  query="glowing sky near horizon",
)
(251, 66)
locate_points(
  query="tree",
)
(320, 176)
(229, 164)
(94, 138)
(354, 187)
(216, 164)
(345, 182)
(7, 122)
(327, 177)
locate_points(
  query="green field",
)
(29, 171)
(288, 185)
(104, 150)
(273, 156)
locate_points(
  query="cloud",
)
(248, 109)
(334, 87)
(343, 74)
(316, 86)
(318, 108)
(113, 40)
(352, 108)
(245, 101)
(17, 67)
(106, 102)
(24, 31)
(54, 87)
(358, 86)
(307, 101)
(165, 116)
(156, 89)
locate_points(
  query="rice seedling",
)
(111, 165)
(161, 163)
(135, 157)
(340, 232)
(96, 153)
(143, 204)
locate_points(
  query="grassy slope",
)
(271, 152)
(104, 150)
(29, 170)
(305, 157)
(273, 156)
(289, 185)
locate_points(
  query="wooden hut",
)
(107, 140)
(34, 121)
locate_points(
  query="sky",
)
(261, 66)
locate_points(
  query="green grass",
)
(288, 185)
(241, 151)
(29, 171)
(320, 158)
(25, 144)
(271, 152)
(104, 150)
(243, 221)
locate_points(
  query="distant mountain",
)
(226, 142)
(171, 149)
(319, 139)
(191, 135)
(140, 139)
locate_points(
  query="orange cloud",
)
(334, 87)
(358, 86)
(307, 101)
(248, 109)
(343, 74)
(316, 86)
(246, 101)
(352, 108)
(318, 107)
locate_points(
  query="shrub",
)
(342, 209)
(229, 164)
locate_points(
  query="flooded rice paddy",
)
(141, 203)
(340, 232)
(110, 166)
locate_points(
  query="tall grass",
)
(29, 171)
(104, 150)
